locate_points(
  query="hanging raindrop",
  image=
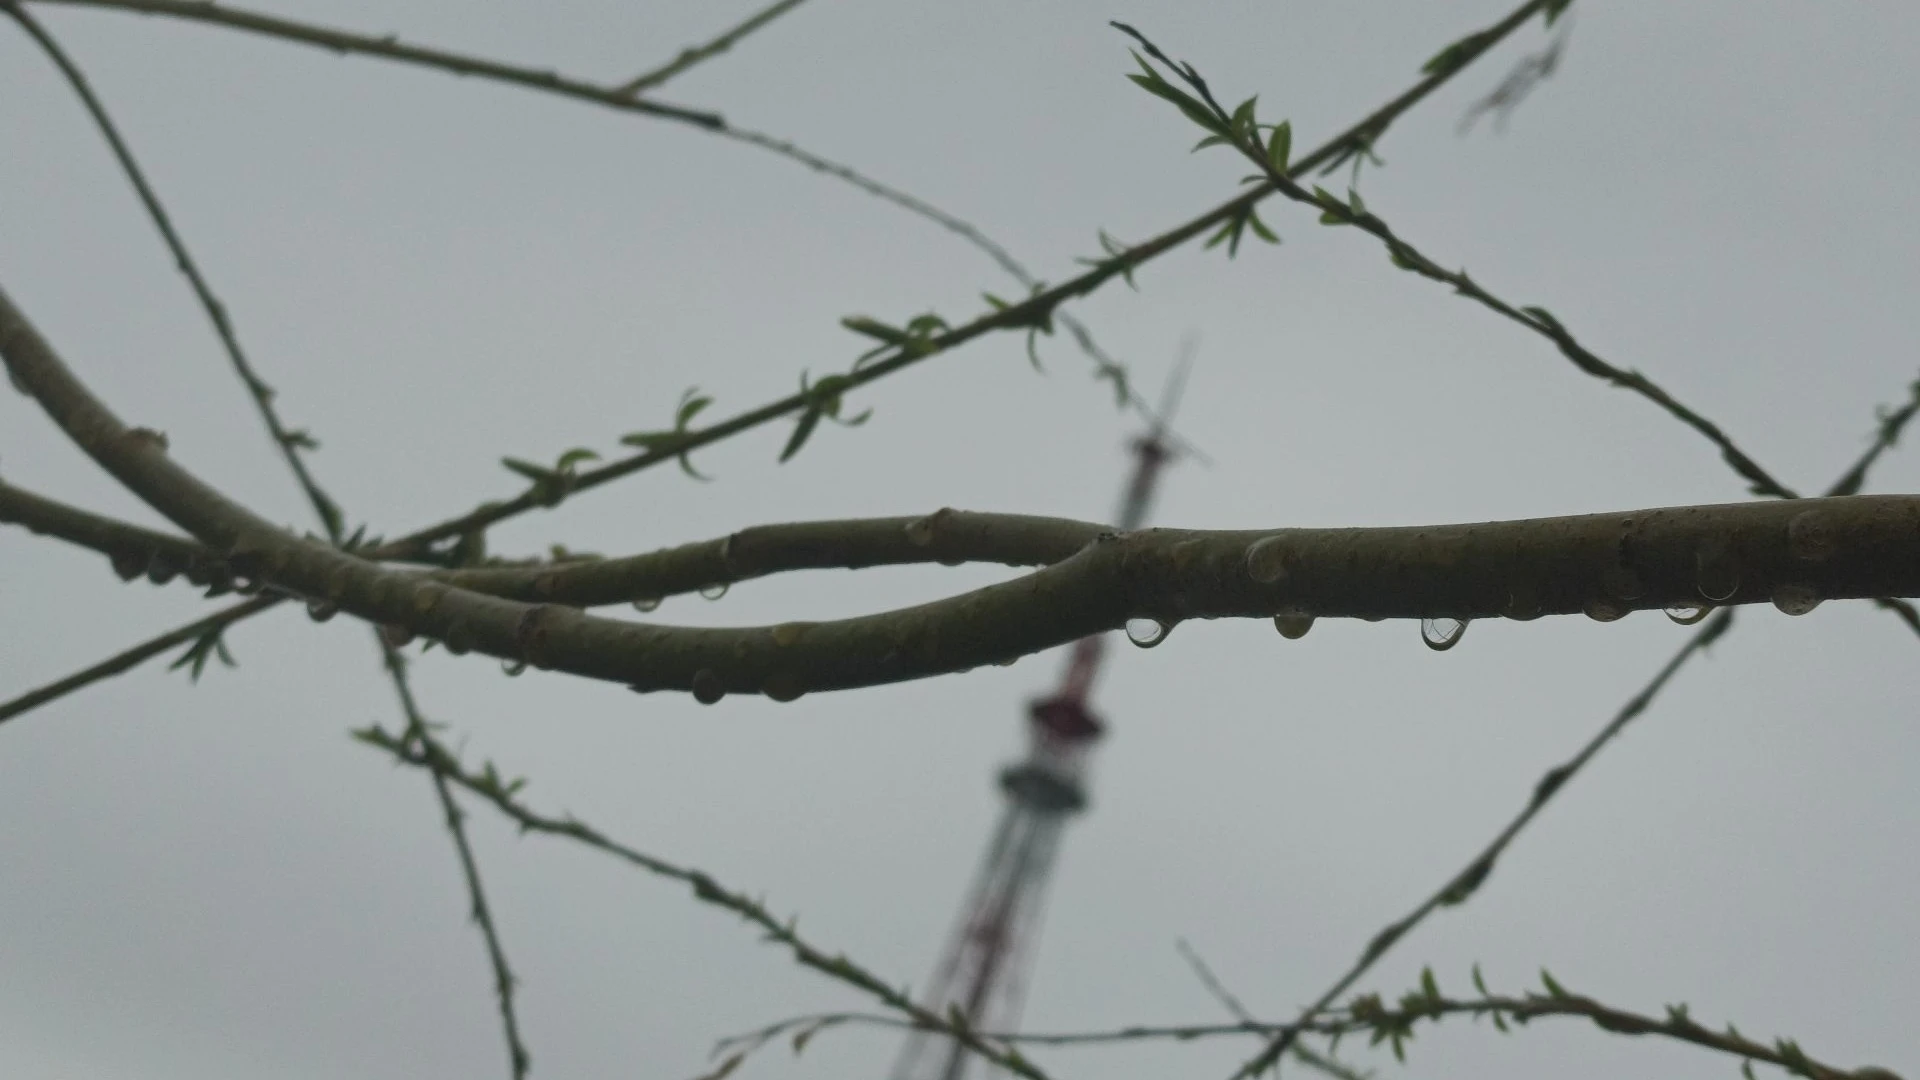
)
(1442, 634)
(512, 669)
(1717, 575)
(1688, 614)
(1603, 610)
(1795, 599)
(321, 610)
(646, 604)
(714, 591)
(1294, 625)
(707, 687)
(1267, 559)
(1146, 632)
(128, 565)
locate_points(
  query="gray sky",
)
(214, 881)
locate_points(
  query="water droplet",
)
(920, 531)
(1523, 603)
(1811, 536)
(714, 591)
(1267, 559)
(1293, 625)
(321, 610)
(1688, 614)
(1600, 609)
(1717, 574)
(787, 633)
(459, 640)
(1442, 634)
(707, 687)
(1795, 599)
(782, 686)
(1146, 632)
(160, 571)
(128, 565)
(646, 604)
(248, 586)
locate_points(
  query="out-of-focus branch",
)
(503, 793)
(1368, 1015)
(694, 55)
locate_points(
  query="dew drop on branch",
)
(1600, 609)
(1146, 632)
(1442, 634)
(1811, 536)
(714, 591)
(322, 610)
(1688, 614)
(1717, 574)
(646, 604)
(1267, 559)
(1795, 599)
(513, 669)
(1293, 626)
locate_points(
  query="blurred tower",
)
(983, 968)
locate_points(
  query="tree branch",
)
(502, 793)
(691, 56)
(1793, 553)
(391, 48)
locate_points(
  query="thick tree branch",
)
(1794, 553)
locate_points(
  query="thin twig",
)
(290, 445)
(490, 785)
(694, 55)
(390, 47)
(130, 658)
(418, 734)
(288, 442)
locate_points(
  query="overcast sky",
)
(214, 881)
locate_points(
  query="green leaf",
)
(1429, 985)
(1260, 227)
(801, 432)
(1353, 200)
(574, 457)
(1554, 989)
(1480, 983)
(536, 473)
(1241, 123)
(1211, 140)
(1280, 146)
(1153, 84)
(691, 403)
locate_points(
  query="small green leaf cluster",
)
(552, 483)
(1037, 322)
(654, 442)
(207, 646)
